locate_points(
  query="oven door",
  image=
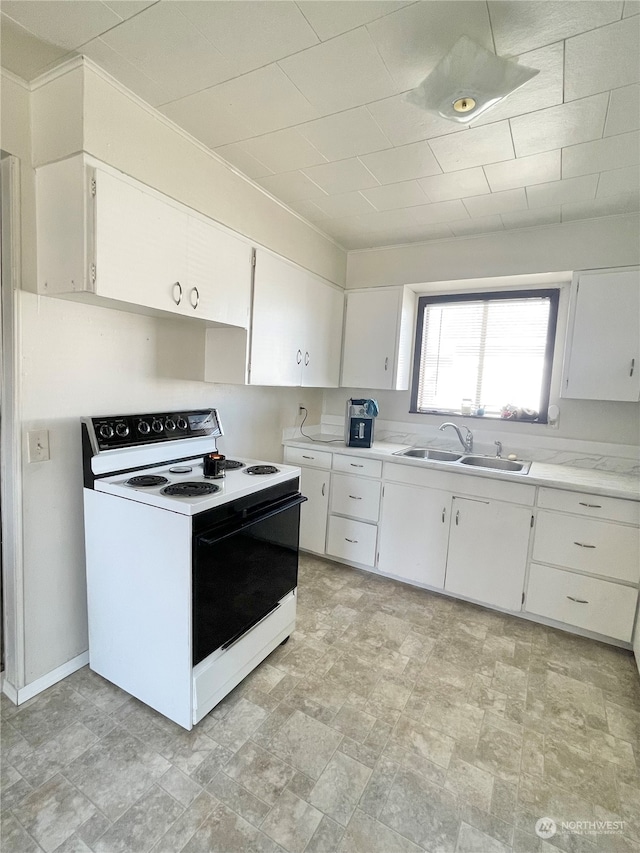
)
(243, 564)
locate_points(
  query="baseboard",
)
(23, 694)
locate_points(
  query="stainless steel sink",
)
(496, 464)
(430, 453)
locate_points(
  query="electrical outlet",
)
(301, 410)
(38, 445)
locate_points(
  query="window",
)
(485, 354)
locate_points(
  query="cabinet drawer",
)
(352, 540)
(595, 605)
(357, 465)
(598, 547)
(594, 506)
(355, 496)
(311, 458)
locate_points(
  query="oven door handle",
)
(244, 519)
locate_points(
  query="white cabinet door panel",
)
(314, 485)
(414, 532)
(323, 335)
(370, 338)
(488, 549)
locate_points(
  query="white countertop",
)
(606, 483)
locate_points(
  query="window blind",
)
(490, 351)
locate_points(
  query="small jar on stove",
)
(213, 466)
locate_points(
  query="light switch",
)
(38, 445)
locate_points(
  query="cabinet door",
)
(314, 485)
(218, 275)
(140, 246)
(278, 323)
(323, 335)
(488, 551)
(414, 532)
(604, 357)
(370, 336)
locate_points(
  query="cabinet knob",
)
(299, 357)
(306, 359)
(177, 298)
(195, 304)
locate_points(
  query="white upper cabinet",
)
(378, 337)
(106, 238)
(296, 326)
(602, 360)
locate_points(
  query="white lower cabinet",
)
(352, 540)
(488, 546)
(355, 496)
(314, 485)
(414, 533)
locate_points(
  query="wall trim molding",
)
(4, 72)
(23, 694)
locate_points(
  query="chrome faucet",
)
(498, 445)
(467, 441)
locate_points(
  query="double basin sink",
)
(493, 463)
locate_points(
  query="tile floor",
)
(394, 721)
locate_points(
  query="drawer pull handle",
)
(591, 506)
(177, 299)
(298, 356)
(444, 512)
(323, 488)
(633, 366)
(308, 457)
(353, 465)
(353, 541)
(457, 517)
(386, 363)
(577, 600)
(583, 545)
(355, 498)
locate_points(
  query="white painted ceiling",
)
(308, 99)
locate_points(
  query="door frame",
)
(10, 438)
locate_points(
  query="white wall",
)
(587, 244)
(78, 359)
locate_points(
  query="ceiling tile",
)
(602, 154)
(128, 8)
(385, 219)
(631, 7)
(543, 90)
(404, 122)
(467, 182)
(343, 176)
(345, 204)
(556, 127)
(602, 59)
(475, 147)
(480, 225)
(283, 150)
(241, 159)
(289, 186)
(24, 54)
(329, 18)
(402, 164)
(251, 33)
(562, 192)
(624, 111)
(203, 116)
(443, 211)
(405, 194)
(64, 24)
(125, 72)
(536, 169)
(345, 134)
(265, 99)
(531, 218)
(619, 181)
(344, 72)
(413, 40)
(170, 50)
(495, 203)
(628, 203)
(309, 209)
(409, 234)
(524, 24)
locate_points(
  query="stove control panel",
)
(115, 431)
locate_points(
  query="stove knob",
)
(144, 428)
(122, 430)
(181, 423)
(169, 425)
(106, 431)
(156, 425)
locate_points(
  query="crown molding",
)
(9, 75)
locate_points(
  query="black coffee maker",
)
(358, 431)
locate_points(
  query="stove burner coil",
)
(146, 481)
(190, 490)
(262, 469)
(232, 464)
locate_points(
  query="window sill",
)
(444, 413)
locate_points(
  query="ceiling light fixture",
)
(468, 81)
